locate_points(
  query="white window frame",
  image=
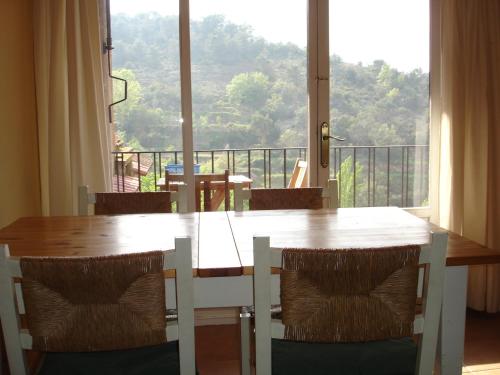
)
(318, 72)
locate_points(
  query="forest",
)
(248, 92)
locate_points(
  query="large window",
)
(253, 110)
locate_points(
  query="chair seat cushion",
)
(158, 359)
(386, 357)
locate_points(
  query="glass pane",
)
(249, 87)
(146, 53)
(380, 101)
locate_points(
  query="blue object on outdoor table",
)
(179, 168)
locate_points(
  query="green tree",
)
(249, 90)
(345, 177)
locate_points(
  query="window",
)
(250, 109)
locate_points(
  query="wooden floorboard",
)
(218, 349)
(482, 344)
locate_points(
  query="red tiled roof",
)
(131, 184)
(146, 164)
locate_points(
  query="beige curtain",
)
(74, 133)
(469, 186)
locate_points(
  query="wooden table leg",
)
(452, 330)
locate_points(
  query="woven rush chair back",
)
(94, 304)
(348, 295)
(291, 199)
(90, 304)
(131, 203)
(282, 199)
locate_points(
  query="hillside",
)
(248, 92)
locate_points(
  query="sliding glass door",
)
(378, 100)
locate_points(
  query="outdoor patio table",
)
(218, 186)
(222, 249)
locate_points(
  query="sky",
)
(396, 31)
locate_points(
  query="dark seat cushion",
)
(389, 357)
(159, 359)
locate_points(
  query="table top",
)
(222, 241)
(327, 229)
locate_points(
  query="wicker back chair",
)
(91, 312)
(347, 310)
(131, 203)
(283, 199)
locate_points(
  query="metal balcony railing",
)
(368, 175)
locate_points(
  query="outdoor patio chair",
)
(283, 199)
(99, 315)
(131, 203)
(347, 311)
(299, 175)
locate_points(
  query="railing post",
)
(374, 175)
(139, 169)
(270, 176)
(402, 174)
(154, 168)
(249, 163)
(388, 173)
(265, 178)
(234, 162)
(354, 178)
(340, 177)
(284, 167)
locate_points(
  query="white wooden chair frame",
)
(331, 200)
(266, 293)
(330, 193)
(12, 305)
(85, 198)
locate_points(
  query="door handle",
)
(325, 143)
(336, 137)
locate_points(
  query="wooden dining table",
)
(222, 249)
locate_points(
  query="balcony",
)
(396, 175)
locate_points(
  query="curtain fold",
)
(75, 139)
(469, 183)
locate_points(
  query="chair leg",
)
(10, 321)
(198, 197)
(245, 318)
